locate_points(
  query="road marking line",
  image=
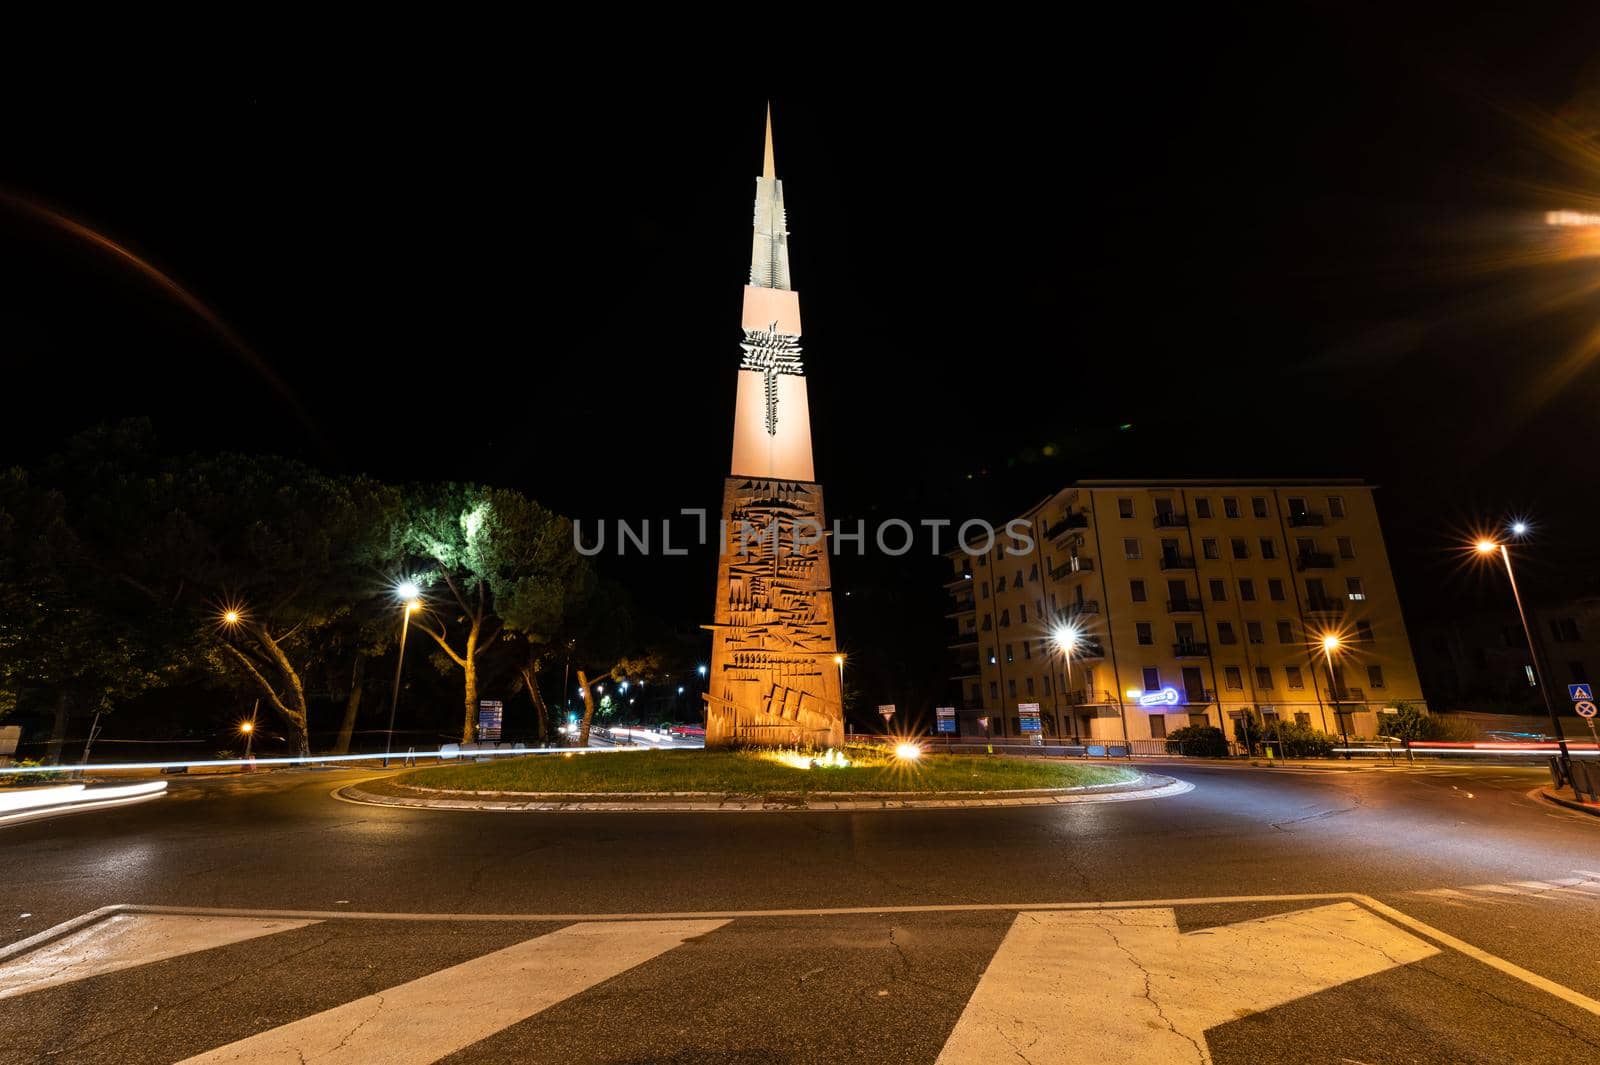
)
(57, 930)
(126, 940)
(1565, 994)
(1065, 986)
(445, 1011)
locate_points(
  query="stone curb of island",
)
(1147, 786)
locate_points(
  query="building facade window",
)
(1225, 633)
(1209, 549)
(1232, 678)
(1158, 726)
(1022, 612)
(1125, 508)
(1253, 632)
(1336, 506)
(1130, 547)
(1564, 630)
(1009, 658)
(1364, 631)
(1202, 507)
(1230, 507)
(1241, 549)
(1152, 679)
(1258, 506)
(1285, 632)
(985, 590)
(1375, 676)
(1011, 686)
(1027, 684)
(1275, 589)
(1269, 547)
(1354, 588)
(1219, 590)
(1293, 679)
(1264, 676)
(1136, 591)
(1347, 547)
(994, 690)
(1247, 590)
(1146, 634)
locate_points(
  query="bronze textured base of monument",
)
(774, 680)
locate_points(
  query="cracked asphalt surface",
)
(1463, 848)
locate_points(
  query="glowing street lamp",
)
(248, 730)
(231, 617)
(1331, 643)
(1067, 636)
(1486, 547)
(838, 660)
(406, 592)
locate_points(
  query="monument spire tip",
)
(769, 168)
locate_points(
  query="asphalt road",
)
(1448, 898)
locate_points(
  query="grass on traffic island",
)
(753, 773)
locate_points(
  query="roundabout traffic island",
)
(858, 778)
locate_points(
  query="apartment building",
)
(1184, 602)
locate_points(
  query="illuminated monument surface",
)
(773, 677)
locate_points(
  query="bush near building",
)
(1198, 741)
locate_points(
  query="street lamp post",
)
(1331, 643)
(1066, 636)
(408, 595)
(1490, 547)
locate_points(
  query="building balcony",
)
(1089, 697)
(1170, 562)
(1313, 560)
(1307, 520)
(1199, 696)
(1172, 521)
(1088, 606)
(1072, 566)
(1070, 521)
(1325, 606)
(1183, 606)
(1088, 649)
(1347, 695)
(1190, 649)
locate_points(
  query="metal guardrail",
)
(1583, 777)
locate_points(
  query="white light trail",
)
(76, 798)
(442, 754)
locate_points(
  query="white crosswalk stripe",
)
(1582, 886)
(441, 1013)
(1078, 987)
(125, 940)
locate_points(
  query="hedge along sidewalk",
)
(382, 791)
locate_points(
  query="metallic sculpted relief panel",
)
(773, 676)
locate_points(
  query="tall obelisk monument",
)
(774, 679)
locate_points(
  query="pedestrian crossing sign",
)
(1580, 693)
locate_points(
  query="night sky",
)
(1226, 248)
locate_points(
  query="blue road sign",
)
(1580, 693)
